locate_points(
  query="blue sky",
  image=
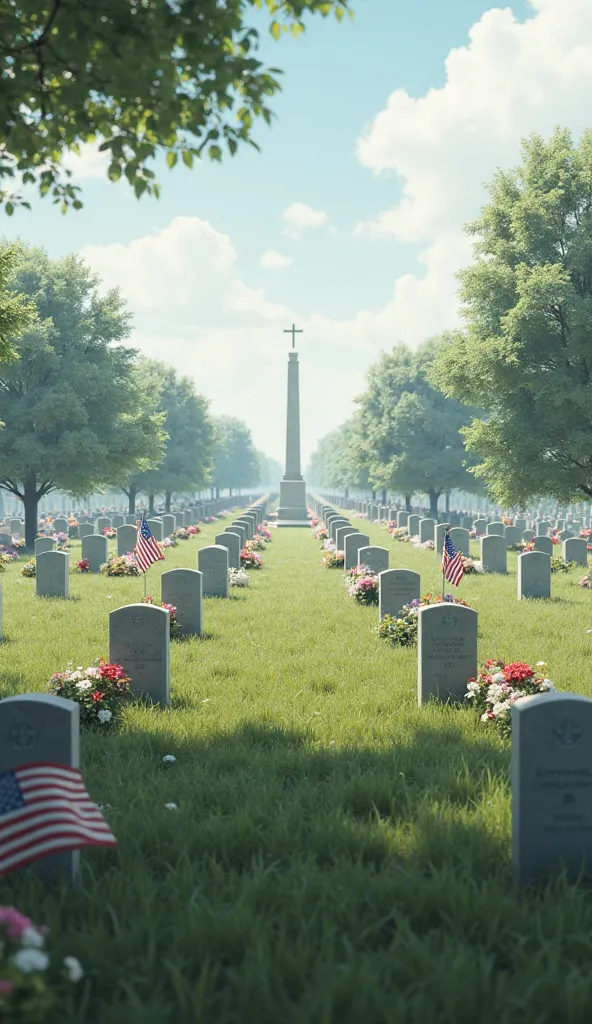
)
(387, 128)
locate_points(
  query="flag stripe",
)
(147, 549)
(45, 809)
(452, 562)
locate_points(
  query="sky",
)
(349, 222)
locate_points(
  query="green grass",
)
(339, 856)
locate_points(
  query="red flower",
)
(111, 672)
(518, 672)
(97, 696)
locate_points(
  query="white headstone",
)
(139, 640)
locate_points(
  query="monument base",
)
(294, 515)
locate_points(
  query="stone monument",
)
(292, 509)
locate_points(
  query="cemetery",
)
(304, 741)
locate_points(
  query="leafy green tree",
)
(410, 431)
(190, 435)
(337, 462)
(235, 461)
(16, 313)
(179, 78)
(73, 410)
(525, 355)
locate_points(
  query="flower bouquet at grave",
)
(400, 533)
(31, 984)
(357, 573)
(499, 685)
(560, 565)
(476, 536)
(364, 589)
(587, 535)
(110, 532)
(225, 512)
(29, 570)
(168, 542)
(102, 691)
(61, 540)
(18, 543)
(359, 515)
(250, 559)
(425, 545)
(210, 519)
(193, 530)
(265, 534)
(257, 544)
(586, 581)
(83, 565)
(120, 565)
(472, 567)
(314, 522)
(182, 534)
(238, 578)
(321, 533)
(175, 626)
(401, 630)
(333, 559)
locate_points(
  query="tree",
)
(526, 354)
(189, 429)
(235, 461)
(409, 429)
(15, 312)
(73, 409)
(178, 77)
(337, 461)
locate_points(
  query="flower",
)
(14, 922)
(84, 684)
(28, 960)
(169, 758)
(74, 968)
(31, 938)
(104, 715)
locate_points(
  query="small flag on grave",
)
(147, 549)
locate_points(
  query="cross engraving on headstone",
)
(293, 331)
(568, 733)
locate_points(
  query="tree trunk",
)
(383, 496)
(373, 495)
(151, 505)
(217, 495)
(31, 503)
(347, 492)
(408, 503)
(433, 496)
(131, 500)
(447, 506)
(167, 501)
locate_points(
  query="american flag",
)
(452, 562)
(147, 549)
(44, 809)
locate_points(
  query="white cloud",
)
(299, 217)
(273, 260)
(89, 164)
(512, 79)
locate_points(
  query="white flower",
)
(171, 807)
(74, 968)
(84, 684)
(541, 664)
(472, 689)
(498, 678)
(31, 938)
(501, 708)
(546, 686)
(169, 758)
(79, 674)
(93, 673)
(28, 960)
(485, 716)
(104, 715)
(495, 693)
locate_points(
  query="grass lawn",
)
(339, 856)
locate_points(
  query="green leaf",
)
(187, 158)
(215, 153)
(171, 158)
(9, 208)
(276, 29)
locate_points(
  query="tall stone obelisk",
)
(292, 509)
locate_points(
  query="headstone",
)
(335, 524)
(520, 524)
(183, 588)
(117, 520)
(103, 523)
(131, 520)
(551, 786)
(564, 535)
(480, 526)
(440, 534)
(52, 574)
(139, 640)
(213, 563)
(5, 539)
(353, 543)
(60, 525)
(247, 524)
(16, 527)
(576, 550)
(179, 520)
(37, 728)
(466, 522)
(340, 535)
(534, 575)
(44, 544)
(126, 539)
(426, 529)
(413, 525)
(543, 544)
(155, 527)
(447, 651)
(232, 542)
(542, 527)
(397, 587)
(240, 529)
(512, 536)
(374, 557)
(402, 519)
(188, 520)
(495, 529)
(461, 540)
(168, 525)
(494, 553)
(528, 535)
(96, 549)
(86, 530)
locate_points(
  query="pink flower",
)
(14, 922)
(6, 988)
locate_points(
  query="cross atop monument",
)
(293, 331)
